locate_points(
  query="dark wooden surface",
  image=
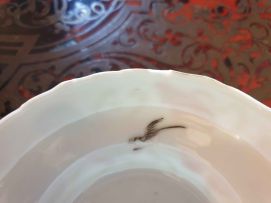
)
(45, 42)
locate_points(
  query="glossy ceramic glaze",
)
(137, 136)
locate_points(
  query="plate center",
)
(136, 186)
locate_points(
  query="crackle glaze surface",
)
(167, 136)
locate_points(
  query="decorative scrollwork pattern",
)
(61, 13)
(44, 42)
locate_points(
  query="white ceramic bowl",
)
(137, 136)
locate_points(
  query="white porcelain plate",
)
(137, 136)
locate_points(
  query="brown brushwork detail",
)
(151, 131)
(137, 148)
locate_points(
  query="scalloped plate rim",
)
(64, 84)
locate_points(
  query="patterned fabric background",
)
(44, 42)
